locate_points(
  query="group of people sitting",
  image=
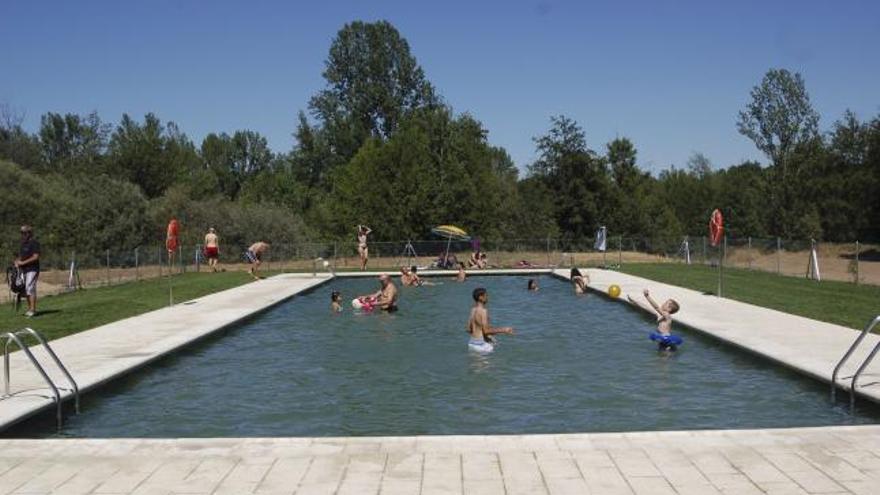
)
(449, 261)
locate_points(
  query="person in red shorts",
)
(171, 240)
(212, 248)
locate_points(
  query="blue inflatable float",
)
(667, 341)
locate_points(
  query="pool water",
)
(578, 363)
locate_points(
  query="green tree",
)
(151, 155)
(72, 143)
(372, 82)
(780, 120)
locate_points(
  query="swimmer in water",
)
(533, 285)
(336, 302)
(386, 297)
(579, 281)
(461, 276)
(478, 325)
(664, 317)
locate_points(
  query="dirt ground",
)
(836, 262)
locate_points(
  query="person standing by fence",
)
(362, 232)
(28, 262)
(212, 248)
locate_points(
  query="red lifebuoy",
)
(171, 235)
(716, 227)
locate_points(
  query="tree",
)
(16, 145)
(576, 175)
(72, 143)
(372, 82)
(782, 123)
(151, 155)
(235, 159)
(780, 116)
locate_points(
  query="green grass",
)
(74, 312)
(842, 303)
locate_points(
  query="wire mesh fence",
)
(850, 262)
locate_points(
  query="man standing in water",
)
(478, 324)
(254, 256)
(212, 248)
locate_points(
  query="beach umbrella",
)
(450, 232)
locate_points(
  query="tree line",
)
(379, 146)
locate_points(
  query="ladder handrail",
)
(10, 337)
(849, 352)
(855, 378)
(58, 363)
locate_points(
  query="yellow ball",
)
(614, 291)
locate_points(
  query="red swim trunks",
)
(212, 252)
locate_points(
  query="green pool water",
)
(576, 364)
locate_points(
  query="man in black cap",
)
(28, 262)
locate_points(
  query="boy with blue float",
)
(663, 336)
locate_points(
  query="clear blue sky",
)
(671, 76)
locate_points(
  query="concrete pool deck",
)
(796, 460)
(829, 460)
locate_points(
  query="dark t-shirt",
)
(28, 249)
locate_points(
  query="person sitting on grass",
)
(579, 281)
(478, 325)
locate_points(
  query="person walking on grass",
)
(28, 263)
(254, 256)
(212, 248)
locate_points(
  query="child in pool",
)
(533, 285)
(336, 302)
(664, 316)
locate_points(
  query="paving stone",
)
(484, 486)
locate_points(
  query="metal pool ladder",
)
(852, 348)
(15, 337)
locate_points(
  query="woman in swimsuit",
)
(579, 281)
(362, 232)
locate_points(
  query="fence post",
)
(857, 262)
(548, 250)
(334, 258)
(619, 251)
(182, 268)
(750, 252)
(778, 255)
(137, 269)
(108, 267)
(721, 266)
(198, 259)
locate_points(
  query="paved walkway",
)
(809, 346)
(793, 461)
(101, 354)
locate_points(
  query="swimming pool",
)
(577, 364)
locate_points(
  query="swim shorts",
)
(251, 257)
(480, 346)
(212, 252)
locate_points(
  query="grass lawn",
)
(842, 303)
(74, 312)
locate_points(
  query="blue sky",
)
(671, 76)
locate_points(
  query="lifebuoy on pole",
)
(716, 227)
(171, 235)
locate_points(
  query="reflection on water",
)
(576, 363)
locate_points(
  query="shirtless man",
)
(362, 232)
(461, 276)
(478, 325)
(212, 248)
(386, 298)
(254, 256)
